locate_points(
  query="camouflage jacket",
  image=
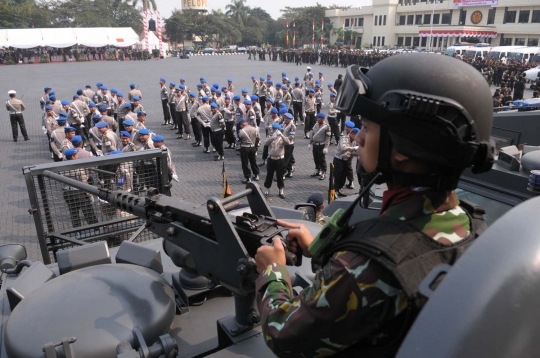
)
(352, 296)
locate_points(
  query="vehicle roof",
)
(502, 48)
(527, 50)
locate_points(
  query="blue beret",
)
(162, 79)
(114, 90)
(311, 75)
(52, 97)
(320, 73)
(330, 85)
(125, 133)
(172, 84)
(252, 77)
(49, 102)
(236, 97)
(144, 131)
(191, 94)
(132, 85)
(158, 138)
(88, 86)
(332, 95)
(285, 88)
(282, 105)
(247, 101)
(224, 88)
(136, 98)
(254, 97)
(317, 81)
(218, 91)
(288, 115)
(213, 89)
(99, 84)
(116, 152)
(91, 104)
(141, 113)
(96, 117)
(128, 122)
(297, 83)
(75, 96)
(283, 111)
(274, 110)
(48, 108)
(61, 120)
(199, 85)
(241, 120)
(63, 114)
(79, 91)
(47, 88)
(65, 103)
(214, 105)
(321, 115)
(70, 152)
(271, 100)
(101, 125)
(204, 99)
(245, 90)
(182, 87)
(52, 94)
(278, 84)
(268, 75)
(276, 125)
(312, 90)
(177, 89)
(269, 82)
(102, 108)
(104, 87)
(126, 105)
(355, 130)
(262, 78)
(69, 129)
(284, 74)
(76, 139)
(182, 80)
(203, 80)
(349, 124)
(215, 85)
(119, 94)
(318, 85)
(229, 79)
(227, 97)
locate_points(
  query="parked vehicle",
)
(241, 50)
(209, 50)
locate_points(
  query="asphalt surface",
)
(200, 175)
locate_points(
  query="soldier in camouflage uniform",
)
(363, 300)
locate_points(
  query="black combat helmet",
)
(432, 108)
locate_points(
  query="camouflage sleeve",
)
(350, 298)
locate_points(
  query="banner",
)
(461, 3)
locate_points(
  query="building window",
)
(423, 42)
(445, 19)
(375, 24)
(510, 17)
(436, 18)
(520, 41)
(418, 20)
(374, 41)
(407, 41)
(380, 20)
(361, 22)
(462, 17)
(536, 16)
(355, 22)
(427, 19)
(382, 42)
(491, 16)
(506, 41)
(378, 41)
(400, 41)
(416, 41)
(402, 20)
(410, 19)
(384, 20)
(524, 16)
(346, 22)
(532, 42)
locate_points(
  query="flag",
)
(294, 34)
(322, 33)
(287, 39)
(226, 188)
(331, 187)
(313, 35)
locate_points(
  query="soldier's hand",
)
(298, 236)
(268, 255)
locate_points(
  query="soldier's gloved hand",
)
(309, 146)
(99, 153)
(44, 130)
(269, 255)
(304, 115)
(298, 236)
(325, 151)
(61, 156)
(175, 177)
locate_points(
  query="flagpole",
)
(313, 34)
(287, 38)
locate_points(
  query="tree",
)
(303, 16)
(238, 11)
(146, 4)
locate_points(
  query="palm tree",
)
(146, 4)
(237, 11)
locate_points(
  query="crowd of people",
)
(42, 54)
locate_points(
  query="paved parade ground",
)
(200, 175)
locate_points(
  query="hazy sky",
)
(272, 7)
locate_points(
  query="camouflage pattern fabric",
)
(351, 296)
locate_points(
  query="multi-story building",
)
(436, 24)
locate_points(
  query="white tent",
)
(65, 37)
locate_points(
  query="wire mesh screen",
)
(66, 212)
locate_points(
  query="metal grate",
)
(65, 216)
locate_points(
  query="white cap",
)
(309, 68)
(12, 92)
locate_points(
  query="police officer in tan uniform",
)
(15, 107)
